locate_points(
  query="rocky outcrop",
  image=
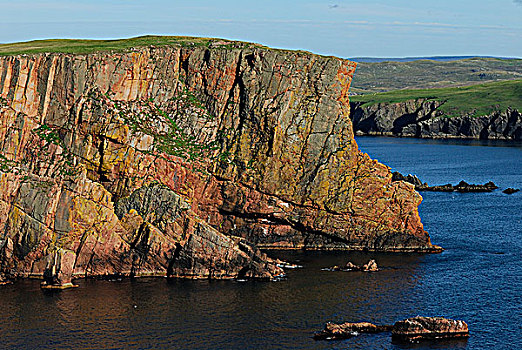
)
(511, 190)
(428, 328)
(178, 161)
(411, 330)
(412, 179)
(333, 331)
(462, 186)
(371, 266)
(423, 119)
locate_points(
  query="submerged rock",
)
(63, 286)
(333, 331)
(428, 328)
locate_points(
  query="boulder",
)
(510, 190)
(371, 266)
(412, 179)
(426, 328)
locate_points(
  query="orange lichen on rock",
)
(244, 145)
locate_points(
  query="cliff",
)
(179, 160)
(427, 118)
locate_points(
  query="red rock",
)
(425, 328)
(346, 330)
(252, 144)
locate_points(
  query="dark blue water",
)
(477, 279)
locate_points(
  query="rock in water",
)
(178, 160)
(346, 330)
(510, 190)
(370, 266)
(462, 186)
(412, 179)
(426, 328)
(58, 272)
(410, 330)
(351, 266)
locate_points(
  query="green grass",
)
(424, 74)
(74, 46)
(77, 46)
(475, 100)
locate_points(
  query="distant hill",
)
(476, 100)
(375, 77)
(410, 59)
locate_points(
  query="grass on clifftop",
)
(83, 47)
(475, 100)
(75, 46)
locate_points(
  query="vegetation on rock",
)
(270, 127)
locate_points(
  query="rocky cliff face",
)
(170, 161)
(422, 118)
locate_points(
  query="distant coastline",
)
(421, 58)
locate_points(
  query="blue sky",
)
(345, 28)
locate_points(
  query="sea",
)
(478, 278)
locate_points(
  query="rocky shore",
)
(422, 118)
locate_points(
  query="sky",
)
(344, 28)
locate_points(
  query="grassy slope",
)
(77, 46)
(474, 100)
(423, 74)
